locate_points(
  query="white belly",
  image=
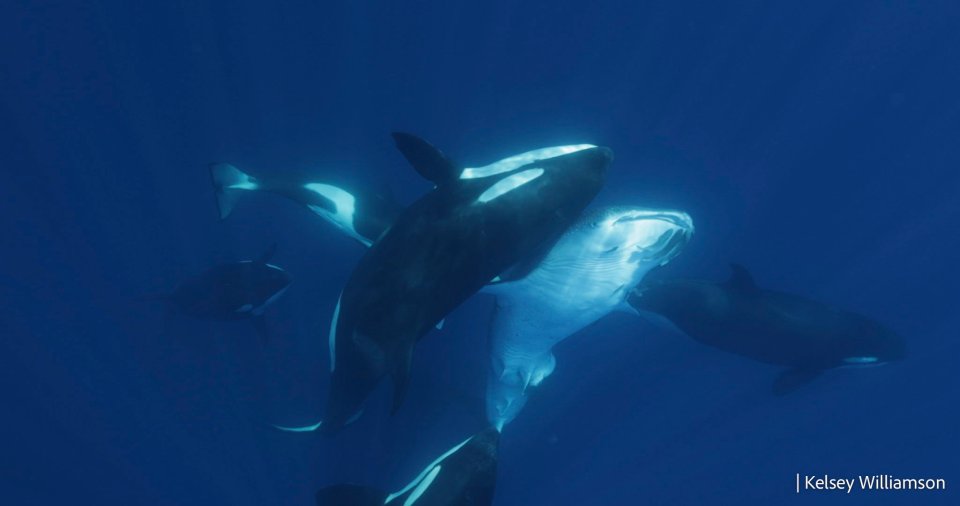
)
(534, 314)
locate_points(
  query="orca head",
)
(464, 474)
(590, 161)
(677, 299)
(873, 345)
(582, 166)
(264, 282)
(514, 162)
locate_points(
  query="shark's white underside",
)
(586, 276)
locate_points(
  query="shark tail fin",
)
(228, 182)
(350, 495)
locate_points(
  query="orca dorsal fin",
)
(267, 255)
(429, 161)
(741, 280)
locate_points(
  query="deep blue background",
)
(815, 142)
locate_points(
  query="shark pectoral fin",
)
(792, 379)
(350, 495)
(260, 324)
(401, 377)
(544, 370)
(429, 161)
(525, 377)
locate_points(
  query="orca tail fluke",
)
(228, 183)
(350, 495)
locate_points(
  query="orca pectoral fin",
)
(350, 495)
(429, 161)
(401, 377)
(792, 379)
(260, 324)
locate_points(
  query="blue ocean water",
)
(814, 142)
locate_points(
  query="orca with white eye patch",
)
(441, 250)
(465, 475)
(361, 215)
(234, 291)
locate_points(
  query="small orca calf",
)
(361, 215)
(768, 326)
(465, 475)
(234, 291)
(471, 227)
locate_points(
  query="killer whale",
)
(737, 316)
(442, 249)
(550, 296)
(586, 275)
(465, 475)
(362, 215)
(232, 291)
